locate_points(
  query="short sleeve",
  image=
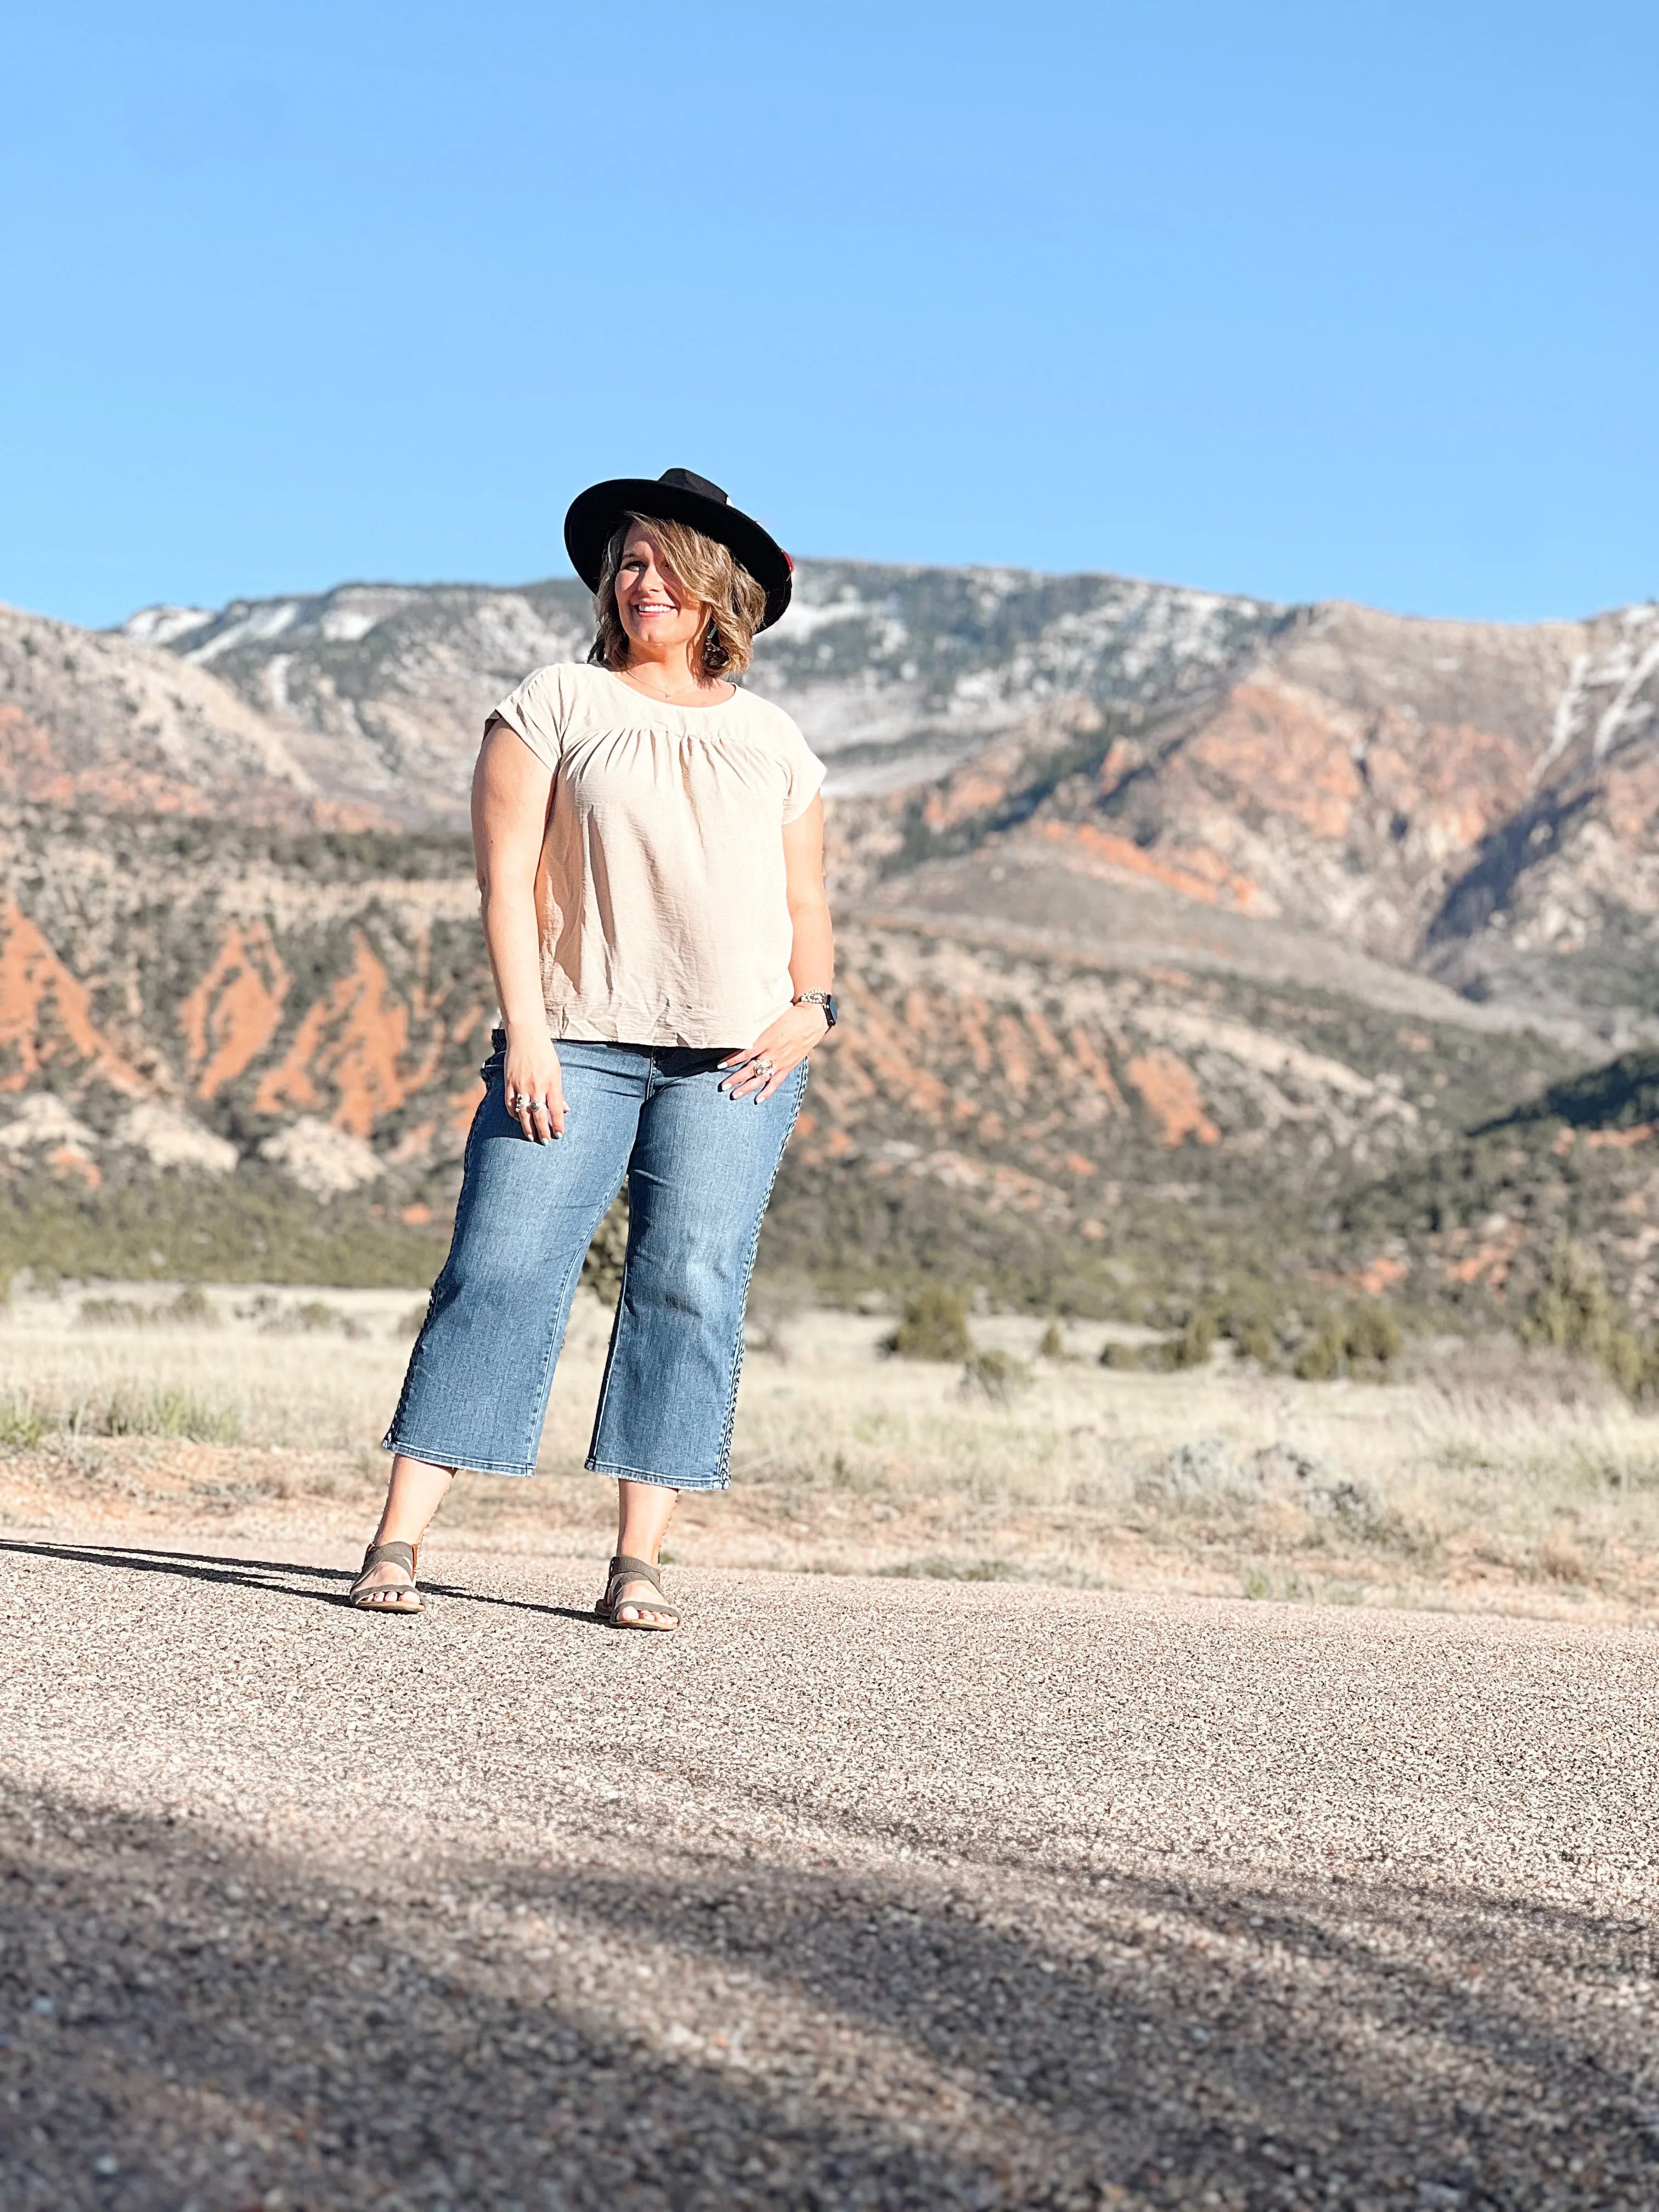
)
(806, 773)
(539, 713)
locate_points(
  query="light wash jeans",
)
(700, 1166)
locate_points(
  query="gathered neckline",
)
(679, 706)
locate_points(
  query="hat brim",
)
(596, 514)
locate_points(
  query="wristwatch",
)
(824, 999)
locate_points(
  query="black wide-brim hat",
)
(677, 495)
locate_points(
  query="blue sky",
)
(1293, 300)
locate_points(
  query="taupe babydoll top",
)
(661, 891)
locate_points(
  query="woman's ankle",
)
(413, 1496)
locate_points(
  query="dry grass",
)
(1485, 1482)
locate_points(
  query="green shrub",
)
(1255, 1341)
(1371, 1335)
(1572, 1311)
(161, 1413)
(309, 1317)
(1313, 1341)
(934, 1325)
(1193, 1345)
(995, 1375)
(113, 1313)
(1052, 1345)
(1320, 1360)
(20, 1427)
(314, 1317)
(190, 1310)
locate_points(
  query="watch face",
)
(831, 1011)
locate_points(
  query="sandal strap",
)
(626, 1570)
(396, 1555)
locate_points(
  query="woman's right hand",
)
(535, 1085)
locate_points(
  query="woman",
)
(649, 843)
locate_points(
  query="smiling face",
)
(661, 616)
(669, 595)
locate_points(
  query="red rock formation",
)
(1167, 1085)
(351, 1053)
(232, 1013)
(45, 1016)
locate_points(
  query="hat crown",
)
(689, 480)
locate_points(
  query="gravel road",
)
(854, 1893)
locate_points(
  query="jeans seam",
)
(723, 1464)
(386, 1444)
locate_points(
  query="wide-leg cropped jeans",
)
(700, 1166)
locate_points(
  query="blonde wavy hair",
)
(733, 604)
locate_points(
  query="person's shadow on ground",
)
(318, 1585)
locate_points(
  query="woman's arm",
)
(812, 954)
(788, 1040)
(511, 789)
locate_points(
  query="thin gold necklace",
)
(666, 698)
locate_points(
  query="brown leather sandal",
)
(387, 1597)
(624, 1571)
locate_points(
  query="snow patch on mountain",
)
(166, 625)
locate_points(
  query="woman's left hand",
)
(775, 1054)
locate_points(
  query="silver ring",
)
(765, 1066)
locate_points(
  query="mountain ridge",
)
(1172, 924)
(1419, 786)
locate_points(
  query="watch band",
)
(824, 999)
